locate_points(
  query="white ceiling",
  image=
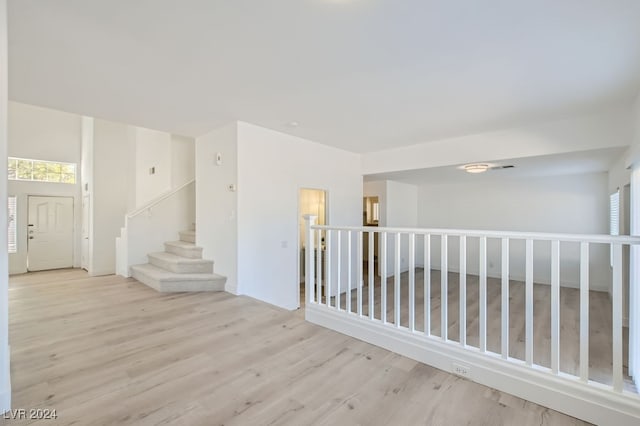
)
(593, 161)
(358, 74)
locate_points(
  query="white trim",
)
(590, 238)
(5, 388)
(101, 273)
(157, 200)
(591, 402)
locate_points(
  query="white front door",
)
(50, 233)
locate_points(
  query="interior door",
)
(50, 233)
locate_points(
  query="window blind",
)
(614, 219)
(11, 231)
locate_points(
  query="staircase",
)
(180, 268)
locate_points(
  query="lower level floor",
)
(110, 350)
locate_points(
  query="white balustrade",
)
(344, 277)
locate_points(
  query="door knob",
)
(31, 238)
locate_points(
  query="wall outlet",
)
(152, 171)
(460, 369)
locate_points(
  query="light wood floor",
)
(600, 320)
(112, 351)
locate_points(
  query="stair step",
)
(188, 236)
(169, 282)
(184, 249)
(179, 264)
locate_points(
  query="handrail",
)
(394, 306)
(158, 200)
(592, 238)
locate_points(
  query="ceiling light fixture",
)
(293, 124)
(476, 168)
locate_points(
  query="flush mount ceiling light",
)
(476, 168)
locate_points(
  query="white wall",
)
(603, 130)
(398, 209)
(148, 231)
(183, 160)
(153, 150)
(634, 294)
(109, 197)
(86, 185)
(5, 380)
(563, 204)
(252, 234)
(272, 167)
(402, 212)
(216, 206)
(43, 134)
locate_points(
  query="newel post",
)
(309, 269)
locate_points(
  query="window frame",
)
(13, 173)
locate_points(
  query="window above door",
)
(26, 169)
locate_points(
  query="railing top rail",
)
(590, 238)
(158, 200)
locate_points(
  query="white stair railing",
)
(148, 227)
(329, 295)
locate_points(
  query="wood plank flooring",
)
(600, 320)
(110, 350)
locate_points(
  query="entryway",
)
(50, 233)
(310, 201)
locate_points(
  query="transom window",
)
(41, 171)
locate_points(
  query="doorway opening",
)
(370, 217)
(49, 233)
(310, 201)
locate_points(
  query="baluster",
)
(371, 277)
(309, 266)
(359, 277)
(555, 306)
(328, 260)
(529, 302)
(319, 268)
(338, 266)
(427, 284)
(383, 276)
(412, 281)
(463, 290)
(347, 295)
(505, 298)
(617, 317)
(584, 311)
(444, 272)
(483, 294)
(396, 281)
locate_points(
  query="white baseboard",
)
(5, 388)
(99, 273)
(593, 402)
